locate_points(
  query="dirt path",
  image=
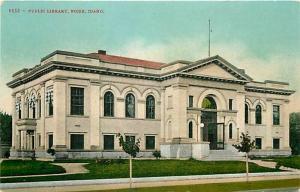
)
(73, 168)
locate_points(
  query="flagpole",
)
(208, 37)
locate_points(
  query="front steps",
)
(224, 155)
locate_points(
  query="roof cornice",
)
(269, 90)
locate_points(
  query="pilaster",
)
(94, 114)
(59, 116)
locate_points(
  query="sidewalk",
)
(106, 184)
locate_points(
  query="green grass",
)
(151, 168)
(224, 187)
(292, 161)
(28, 167)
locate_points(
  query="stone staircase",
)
(223, 155)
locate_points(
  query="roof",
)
(127, 61)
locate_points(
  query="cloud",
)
(279, 67)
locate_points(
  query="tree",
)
(295, 133)
(245, 146)
(5, 128)
(130, 147)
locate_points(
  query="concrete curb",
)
(138, 180)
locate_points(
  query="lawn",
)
(151, 168)
(224, 187)
(28, 167)
(292, 161)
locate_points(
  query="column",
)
(269, 125)
(162, 115)
(14, 121)
(180, 114)
(240, 107)
(284, 121)
(22, 139)
(42, 118)
(60, 112)
(94, 115)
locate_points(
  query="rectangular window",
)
(276, 115)
(77, 101)
(191, 100)
(50, 141)
(150, 142)
(77, 141)
(276, 143)
(50, 107)
(129, 138)
(108, 142)
(230, 104)
(40, 108)
(258, 143)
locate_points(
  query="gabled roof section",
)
(102, 56)
(217, 60)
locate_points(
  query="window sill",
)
(78, 116)
(49, 116)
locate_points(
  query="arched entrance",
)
(213, 131)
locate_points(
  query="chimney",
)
(102, 52)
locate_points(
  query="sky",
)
(261, 37)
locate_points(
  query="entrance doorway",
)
(213, 132)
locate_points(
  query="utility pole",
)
(209, 31)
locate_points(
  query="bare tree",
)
(246, 145)
(130, 147)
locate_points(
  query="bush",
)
(110, 161)
(51, 151)
(156, 154)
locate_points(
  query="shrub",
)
(6, 154)
(51, 151)
(156, 154)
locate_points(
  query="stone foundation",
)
(78, 154)
(184, 150)
(266, 153)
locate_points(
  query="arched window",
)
(109, 104)
(258, 114)
(209, 103)
(191, 129)
(150, 107)
(130, 105)
(230, 131)
(246, 114)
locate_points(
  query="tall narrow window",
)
(40, 106)
(191, 101)
(77, 101)
(130, 105)
(20, 113)
(246, 114)
(230, 131)
(108, 142)
(77, 141)
(230, 104)
(150, 142)
(258, 114)
(276, 115)
(33, 110)
(258, 143)
(109, 104)
(276, 143)
(150, 107)
(27, 107)
(50, 141)
(191, 129)
(50, 106)
(49, 100)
